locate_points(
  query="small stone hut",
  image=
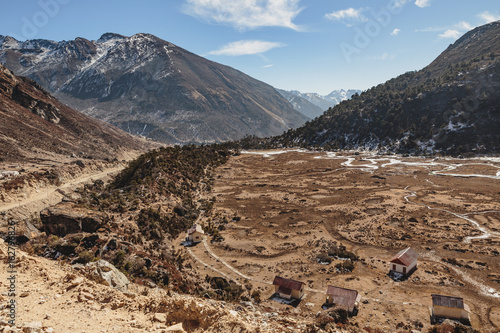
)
(345, 298)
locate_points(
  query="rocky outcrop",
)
(25, 231)
(197, 315)
(40, 108)
(109, 275)
(61, 220)
(30, 95)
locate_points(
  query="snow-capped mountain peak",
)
(323, 102)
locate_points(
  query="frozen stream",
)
(375, 163)
(486, 233)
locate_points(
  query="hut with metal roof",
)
(288, 288)
(342, 297)
(405, 262)
(450, 307)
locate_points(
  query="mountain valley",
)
(96, 220)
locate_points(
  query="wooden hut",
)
(288, 288)
(345, 298)
(405, 262)
(450, 307)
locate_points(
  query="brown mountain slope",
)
(146, 85)
(34, 123)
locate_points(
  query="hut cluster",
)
(402, 265)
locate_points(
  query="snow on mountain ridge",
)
(108, 36)
(326, 101)
(140, 83)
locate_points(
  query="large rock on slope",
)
(109, 275)
(61, 220)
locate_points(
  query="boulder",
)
(33, 327)
(26, 231)
(177, 328)
(109, 275)
(61, 220)
(160, 317)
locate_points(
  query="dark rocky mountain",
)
(34, 123)
(451, 106)
(148, 86)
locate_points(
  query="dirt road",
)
(41, 199)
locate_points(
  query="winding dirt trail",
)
(53, 195)
(195, 257)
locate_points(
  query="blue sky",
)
(306, 45)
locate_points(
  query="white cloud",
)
(395, 32)
(246, 14)
(349, 16)
(245, 47)
(463, 26)
(422, 3)
(400, 3)
(451, 33)
(267, 66)
(488, 17)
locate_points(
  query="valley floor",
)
(281, 211)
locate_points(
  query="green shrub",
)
(85, 257)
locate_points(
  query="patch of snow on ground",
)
(274, 152)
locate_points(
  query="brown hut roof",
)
(405, 257)
(342, 296)
(449, 301)
(287, 284)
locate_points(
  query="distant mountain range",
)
(148, 86)
(36, 125)
(314, 105)
(451, 106)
